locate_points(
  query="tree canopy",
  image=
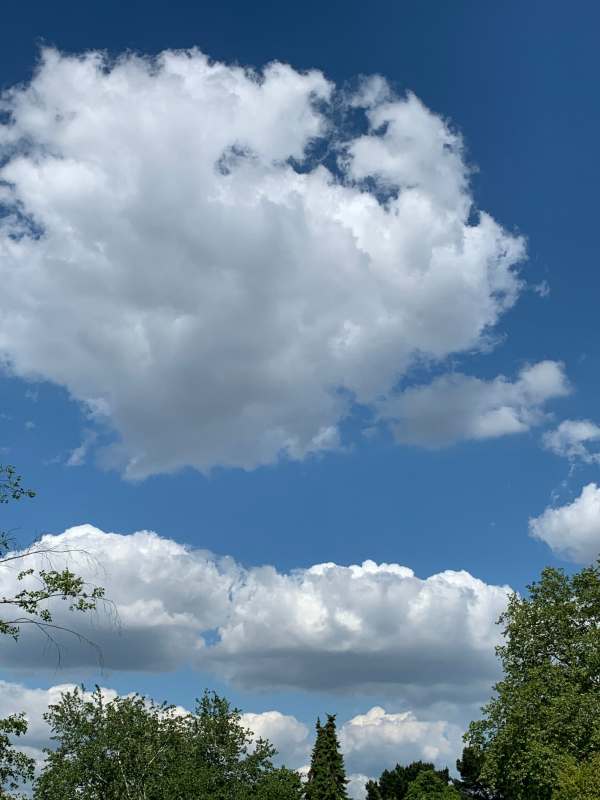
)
(428, 785)
(541, 730)
(393, 784)
(131, 748)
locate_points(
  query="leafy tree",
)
(429, 786)
(132, 749)
(579, 781)
(327, 776)
(469, 768)
(16, 768)
(393, 784)
(546, 710)
(30, 606)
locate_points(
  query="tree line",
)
(538, 737)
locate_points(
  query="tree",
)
(16, 768)
(31, 605)
(327, 776)
(469, 768)
(393, 784)
(130, 748)
(429, 786)
(579, 781)
(545, 713)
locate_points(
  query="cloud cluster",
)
(572, 530)
(331, 627)
(455, 407)
(173, 254)
(377, 739)
(574, 439)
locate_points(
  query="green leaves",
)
(547, 706)
(32, 605)
(11, 486)
(394, 784)
(428, 786)
(16, 768)
(130, 748)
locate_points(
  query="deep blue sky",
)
(519, 81)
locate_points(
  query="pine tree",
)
(327, 776)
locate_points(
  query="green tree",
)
(327, 776)
(546, 709)
(130, 748)
(469, 767)
(579, 781)
(393, 784)
(429, 786)
(30, 606)
(16, 768)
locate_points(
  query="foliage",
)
(469, 768)
(428, 785)
(11, 485)
(546, 709)
(393, 784)
(327, 776)
(132, 749)
(579, 781)
(16, 768)
(30, 606)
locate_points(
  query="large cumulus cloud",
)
(173, 254)
(328, 627)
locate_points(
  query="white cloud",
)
(572, 440)
(328, 627)
(456, 406)
(542, 288)
(164, 594)
(572, 530)
(343, 628)
(377, 740)
(79, 454)
(165, 262)
(290, 736)
(356, 786)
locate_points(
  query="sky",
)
(298, 330)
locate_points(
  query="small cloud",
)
(457, 407)
(542, 288)
(30, 425)
(32, 394)
(573, 439)
(572, 530)
(78, 456)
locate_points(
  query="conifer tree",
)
(327, 776)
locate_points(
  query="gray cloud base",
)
(364, 627)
